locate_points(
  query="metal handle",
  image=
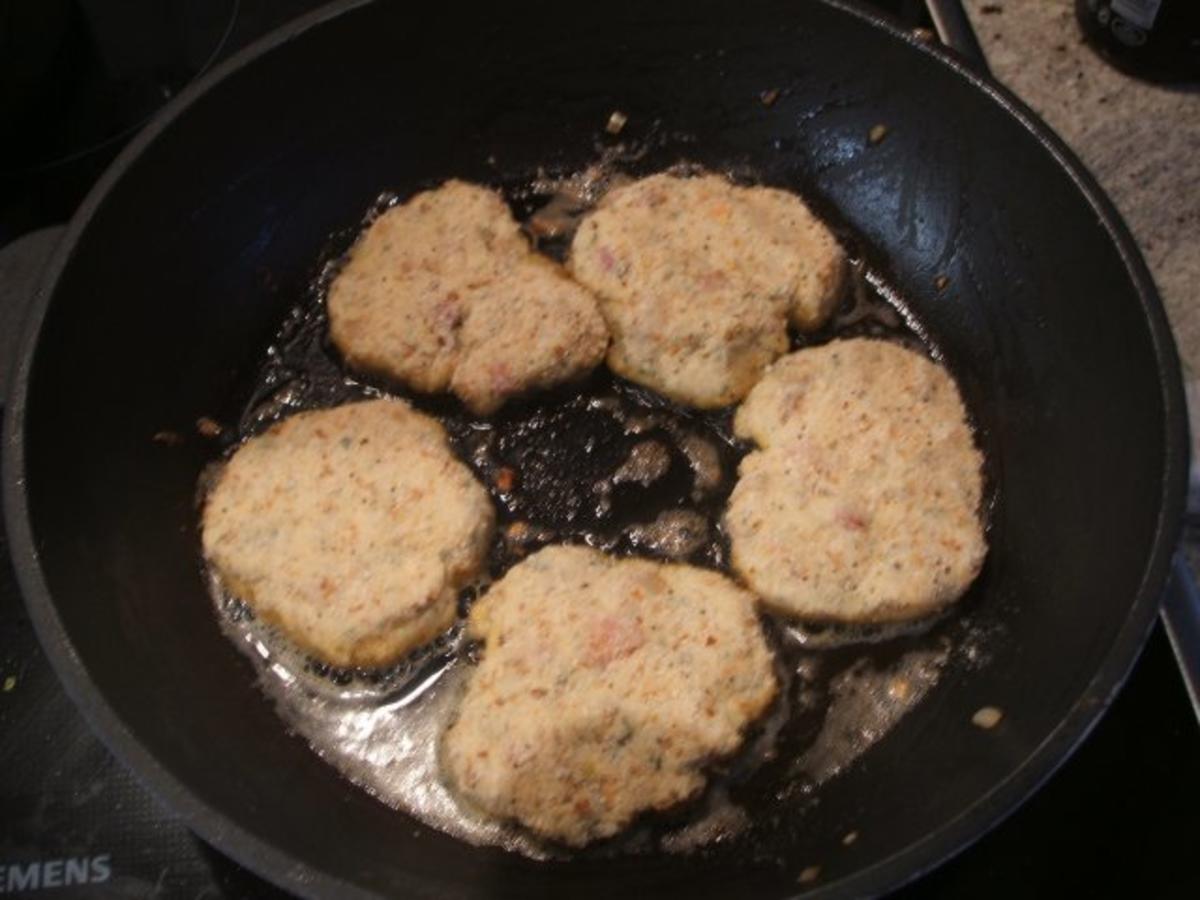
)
(955, 31)
(1181, 619)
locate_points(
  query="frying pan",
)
(181, 264)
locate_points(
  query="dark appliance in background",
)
(1157, 40)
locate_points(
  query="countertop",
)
(1141, 141)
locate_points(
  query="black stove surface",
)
(1122, 815)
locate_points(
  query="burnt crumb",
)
(987, 717)
(616, 122)
(991, 9)
(941, 282)
(517, 532)
(543, 226)
(768, 98)
(877, 133)
(505, 479)
(208, 427)
(168, 438)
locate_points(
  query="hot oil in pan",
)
(616, 467)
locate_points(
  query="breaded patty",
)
(698, 278)
(864, 503)
(605, 686)
(444, 293)
(352, 529)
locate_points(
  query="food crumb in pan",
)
(648, 461)
(877, 133)
(551, 221)
(208, 427)
(675, 534)
(167, 438)
(521, 537)
(10, 682)
(809, 874)
(705, 462)
(987, 717)
(505, 479)
(768, 98)
(941, 282)
(849, 838)
(616, 122)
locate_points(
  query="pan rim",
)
(906, 865)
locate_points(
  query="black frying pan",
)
(181, 264)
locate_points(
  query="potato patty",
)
(444, 292)
(864, 502)
(698, 278)
(352, 529)
(605, 686)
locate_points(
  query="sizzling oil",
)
(619, 468)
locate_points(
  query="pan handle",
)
(1181, 619)
(955, 31)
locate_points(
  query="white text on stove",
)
(53, 873)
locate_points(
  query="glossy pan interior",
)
(180, 266)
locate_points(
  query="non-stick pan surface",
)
(184, 260)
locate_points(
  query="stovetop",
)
(1122, 815)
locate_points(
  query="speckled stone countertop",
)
(1141, 141)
